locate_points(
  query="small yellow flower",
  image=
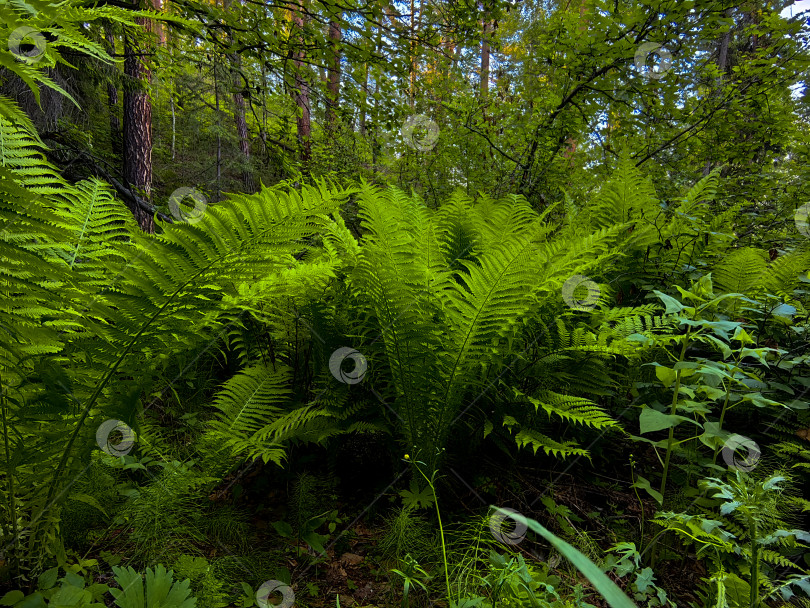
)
(407, 457)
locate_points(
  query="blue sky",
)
(796, 7)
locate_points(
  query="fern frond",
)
(740, 271)
(249, 402)
(536, 441)
(785, 271)
(576, 410)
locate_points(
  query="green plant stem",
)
(722, 418)
(441, 533)
(672, 410)
(754, 566)
(12, 501)
(640, 502)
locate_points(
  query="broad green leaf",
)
(35, 600)
(11, 598)
(283, 529)
(48, 578)
(666, 375)
(672, 305)
(712, 435)
(68, 596)
(644, 580)
(652, 420)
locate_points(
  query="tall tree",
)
(239, 86)
(137, 141)
(300, 91)
(333, 84)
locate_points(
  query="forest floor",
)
(591, 509)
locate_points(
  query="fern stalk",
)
(12, 503)
(754, 566)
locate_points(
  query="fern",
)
(161, 589)
(450, 290)
(740, 270)
(575, 410)
(113, 287)
(537, 441)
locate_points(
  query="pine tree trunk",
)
(219, 129)
(239, 115)
(725, 40)
(301, 91)
(723, 45)
(137, 140)
(333, 85)
(244, 140)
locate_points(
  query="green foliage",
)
(161, 589)
(413, 576)
(205, 586)
(305, 511)
(459, 316)
(513, 582)
(53, 30)
(71, 590)
(104, 315)
(748, 523)
(626, 561)
(606, 587)
(162, 516)
(407, 533)
(215, 340)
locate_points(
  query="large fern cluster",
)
(449, 293)
(92, 309)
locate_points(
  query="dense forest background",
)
(408, 303)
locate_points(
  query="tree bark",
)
(723, 45)
(244, 140)
(333, 85)
(301, 91)
(239, 114)
(137, 130)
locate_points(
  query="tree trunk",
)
(244, 141)
(239, 114)
(364, 101)
(138, 116)
(723, 66)
(219, 130)
(333, 85)
(301, 91)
